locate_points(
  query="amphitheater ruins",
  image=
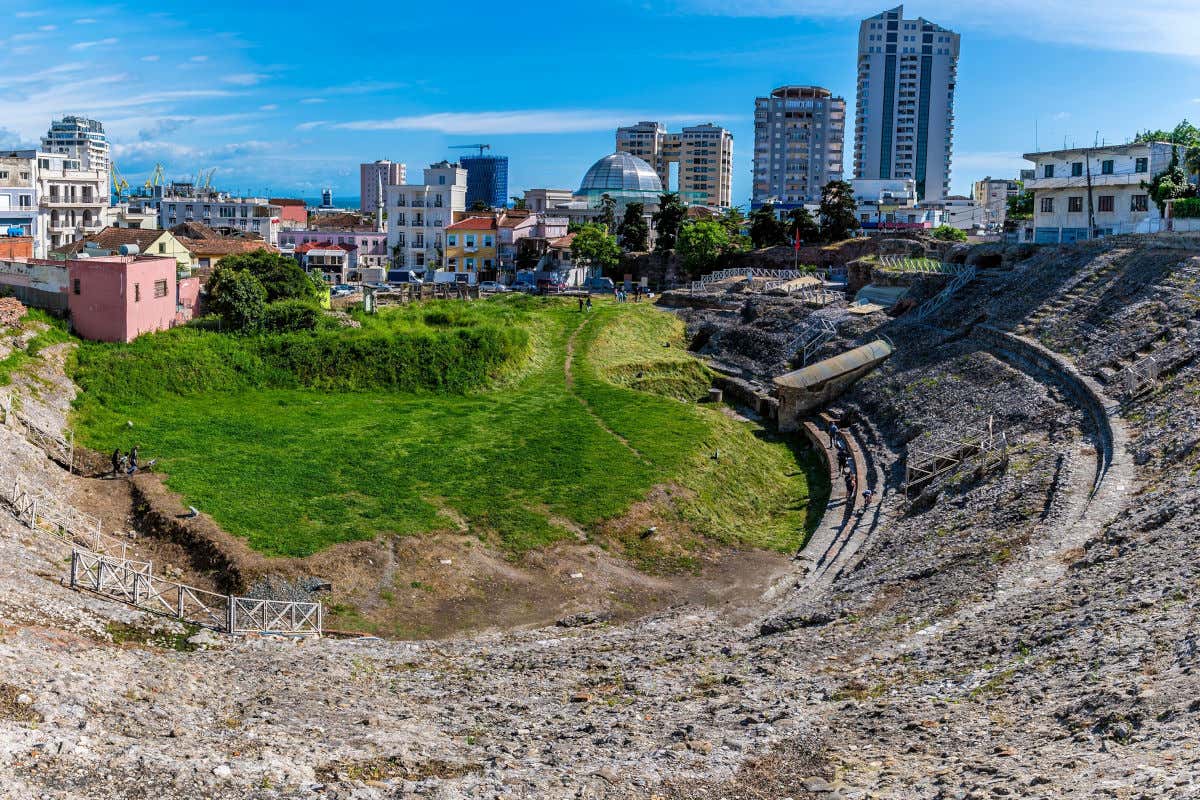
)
(1000, 600)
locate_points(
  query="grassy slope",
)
(294, 470)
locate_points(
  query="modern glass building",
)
(487, 180)
(624, 177)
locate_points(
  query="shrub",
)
(237, 297)
(291, 315)
(1187, 208)
(949, 233)
(280, 275)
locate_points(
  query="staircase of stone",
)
(1072, 293)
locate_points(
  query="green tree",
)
(1185, 134)
(667, 221)
(735, 223)
(608, 213)
(1020, 206)
(479, 205)
(802, 226)
(519, 203)
(766, 229)
(949, 233)
(838, 209)
(596, 247)
(700, 244)
(280, 275)
(237, 297)
(1170, 184)
(635, 233)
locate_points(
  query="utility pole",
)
(1087, 161)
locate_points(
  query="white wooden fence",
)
(963, 274)
(59, 448)
(775, 277)
(124, 580)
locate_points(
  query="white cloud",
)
(85, 21)
(269, 107)
(28, 14)
(149, 58)
(245, 78)
(312, 101)
(47, 28)
(198, 59)
(1170, 27)
(308, 126)
(111, 40)
(504, 122)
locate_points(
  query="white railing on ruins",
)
(924, 266)
(59, 448)
(774, 277)
(1139, 377)
(964, 275)
(120, 579)
(949, 450)
(816, 332)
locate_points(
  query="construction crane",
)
(120, 186)
(157, 177)
(208, 179)
(481, 147)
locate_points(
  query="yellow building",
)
(472, 245)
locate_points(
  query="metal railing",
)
(947, 451)
(924, 266)
(816, 332)
(124, 580)
(1139, 377)
(964, 275)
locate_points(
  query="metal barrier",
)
(948, 451)
(124, 580)
(964, 275)
(1139, 377)
(816, 332)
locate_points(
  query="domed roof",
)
(620, 172)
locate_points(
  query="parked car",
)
(600, 285)
(492, 286)
(396, 276)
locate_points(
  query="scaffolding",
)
(816, 332)
(948, 451)
(1140, 377)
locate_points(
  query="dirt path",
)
(569, 374)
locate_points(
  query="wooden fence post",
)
(230, 613)
(179, 602)
(74, 567)
(99, 574)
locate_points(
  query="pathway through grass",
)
(295, 470)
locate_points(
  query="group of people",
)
(623, 295)
(846, 465)
(123, 464)
(585, 304)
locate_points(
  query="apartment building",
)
(370, 245)
(472, 247)
(487, 180)
(992, 194)
(418, 215)
(183, 202)
(907, 71)
(1094, 191)
(51, 197)
(891, 205)
(702, 155)
(541, 201)
(374, 175)
(799, 136)
(83, 140)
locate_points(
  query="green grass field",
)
(294, 466)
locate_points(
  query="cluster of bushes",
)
(1187, 208)
(264, 291)
(307, 354)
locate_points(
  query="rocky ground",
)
(1027, 630)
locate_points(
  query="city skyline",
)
(240, 101)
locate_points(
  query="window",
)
(137, 292)
(1140, 202)
(1047, 205)
(452, 239)
(75, 286)
(1141, 165)
(1074, 205)
(160, 288)
(1048, 171)
(470, 264)
(1107, 203)
(469, 240)
(1076, 169)
(487, 240)
(162, 247)
(1106, 167)
(3, 174)
(442, 180)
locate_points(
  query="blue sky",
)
(291, 96)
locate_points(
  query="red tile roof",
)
(112, 239)
(474, 224)
(309, 246)
(563, 242)
(286, 201)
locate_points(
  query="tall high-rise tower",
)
(83, 139)
(704, 154)
(370, 176)
(487, 180)
(799, 136)
(907, 69)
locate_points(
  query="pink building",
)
(118, 298)
(369, 244)
(292, 213)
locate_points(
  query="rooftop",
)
(474, 224)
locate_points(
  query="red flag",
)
(796, 245)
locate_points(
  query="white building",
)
(51, 197)
(992, 195)
(907, 70)
(418, 215)
(376, 174)
(799, 136)
(1100, 184)
(540, 201)
(892, 205)
(702, 154)
(83, 140)
(960, 212)
(182, 202)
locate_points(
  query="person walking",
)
(833, 432)
(116, 461)
(580, 298)
(588, 304)
(133, 460)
